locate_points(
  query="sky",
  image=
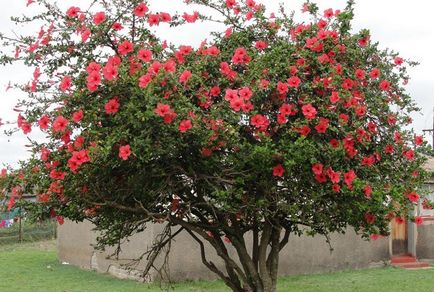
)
(404, 26)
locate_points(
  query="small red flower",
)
(145, 80)
(66, 83)
(231, 3)
(294, 82)
(334, 98)
(99, 18)
(77, 116)
(399, 220)
(413, 197)
(278, 170)
(110, 72)
(43, 122)
(385, 85)
(261, 45)
(240, 56)
(59, 124)
(398, 61)
(317, 168)
(328, 13)
(185, 76)
(349, 177)
(140, 10)
(153, 19)
(336, 188)
(370, 218)
(72, 11)
(409, 154)
(124, 152)
(184, 126)
(374, 236)
(144, 55)
(60, 220)
(259, 121)
(418, 220)
(125, 47)
(375, 73)
(368, 191)
(112, 106)
(304, 131)
(282, 87)
(360, 74)
(162, 109)
(191, 18)
(309, 111)
(418, 140)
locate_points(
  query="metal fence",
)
(15, 228)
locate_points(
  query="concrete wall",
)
(425, 240)
(302, 255)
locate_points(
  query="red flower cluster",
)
(164, 111)
(77, 159)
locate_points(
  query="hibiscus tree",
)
(270, 129)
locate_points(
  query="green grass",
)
(33, 267)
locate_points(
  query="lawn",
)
(33, 267)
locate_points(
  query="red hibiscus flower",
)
(278, 170)
(112, 106)
(259, 121)
(60, 124)
(125, 47)
(418, 140)
(110, 72)
(309, 111)
(317, 168)
(349, 177)
(124, 152)
(334, 98)
(77, 116)
(413, 197)
(72, 11)
(294, 82)
(145, 80)
(140, 10)
(184, 126)
(261, 45)
(418, 220)
(368, 191)
(282, 87)
(375, 73)
(66, 83)
(191, 18)
(185, 76)
(43, 122)
(98, 18)
(385, 85)
(370, 218)
(144, 55)
(399, 220)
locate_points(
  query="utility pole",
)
(431, 130)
